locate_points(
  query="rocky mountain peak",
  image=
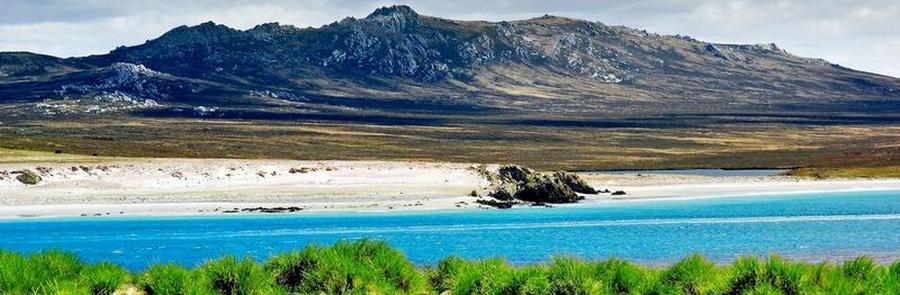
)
(273, 27)
(268, 31)
(395, 10)
(205, 28)
(207, 32)
(396, 18)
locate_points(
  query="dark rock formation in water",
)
(499, 204)
(523, 184)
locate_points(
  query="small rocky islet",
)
(515, 185)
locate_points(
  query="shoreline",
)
(218, 187)
(692, 188)
(187, 209)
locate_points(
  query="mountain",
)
(398, 63)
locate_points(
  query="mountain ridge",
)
(548, 65)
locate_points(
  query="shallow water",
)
(812, 227)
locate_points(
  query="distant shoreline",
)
(210, 187)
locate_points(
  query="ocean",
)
(813, 227)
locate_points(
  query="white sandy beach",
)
(667, 186)
(160, 187)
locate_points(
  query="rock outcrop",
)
(574, 182)
(134, 81)
(28, 177)
(523, 184)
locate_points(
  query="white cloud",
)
(860, 34)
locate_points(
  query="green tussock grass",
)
(363, 267)
(372, 267)
(55, 272)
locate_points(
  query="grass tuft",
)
(231, 276)
(372, 267)
(104, 278)
(165, 279)
(360, 267)
(693, 276)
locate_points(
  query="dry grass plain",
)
(543, 147)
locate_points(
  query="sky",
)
(861, 34)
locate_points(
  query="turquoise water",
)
(811, 227)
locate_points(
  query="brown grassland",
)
(543, 147)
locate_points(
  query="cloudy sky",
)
(861, 34)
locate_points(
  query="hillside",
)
(547, 64)
(396, 67)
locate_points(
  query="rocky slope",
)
(397, 61)
(114, 88)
